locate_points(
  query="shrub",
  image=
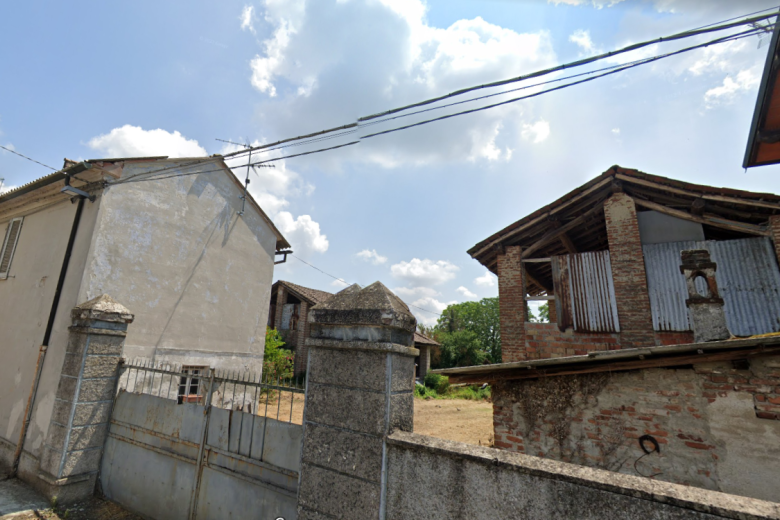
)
(437, 382)
(277, 362)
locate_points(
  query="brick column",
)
(301, 350)
(628, 272)
(774, 228)
(82, 407)
(359, 389)
(511, 303)
(553, 310)
(281, 299)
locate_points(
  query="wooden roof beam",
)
(709, 221)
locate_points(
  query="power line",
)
(578, 63)
(261, 164)
(28, 158)
(738, 36)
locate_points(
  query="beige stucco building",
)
(164, 237)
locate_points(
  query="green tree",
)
(461, 348)
(480, 318)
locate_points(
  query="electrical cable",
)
(733, 37)
(259, 163)
(28, 158)
(578, 63)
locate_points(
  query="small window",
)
(9, 246)
(189, 385)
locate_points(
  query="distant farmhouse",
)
(289, 314)
(662, 357)
(163, 237)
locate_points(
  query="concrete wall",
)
(437, 479)
(717, 425)
(250, 467)
(196, 275)
(25, 301)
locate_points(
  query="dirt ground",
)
(91, 509)
(459, 420)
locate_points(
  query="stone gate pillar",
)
(359, 389)
(82, 407)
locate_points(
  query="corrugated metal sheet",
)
(748, 281)
(585, 292)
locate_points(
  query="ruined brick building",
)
(289, 314)
(623, 378)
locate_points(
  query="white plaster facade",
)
(174, 251)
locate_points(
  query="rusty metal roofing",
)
(748, 281)
(763, 145)
(585, 292)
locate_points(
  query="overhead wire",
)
(744, 34)
(28, 158)
(577, 63)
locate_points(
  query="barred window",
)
(9, 246)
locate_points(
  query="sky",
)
(95, 79)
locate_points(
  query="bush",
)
(277, 362)
(437, 382)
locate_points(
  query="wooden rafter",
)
(709, 221)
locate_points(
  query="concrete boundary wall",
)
(150, 461)
(437, 479)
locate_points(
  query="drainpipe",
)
(50, 324)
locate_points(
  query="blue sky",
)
(98, 79)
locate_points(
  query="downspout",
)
(47, 335)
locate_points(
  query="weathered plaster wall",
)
(718, 427)
(25, 301)
(196, 275)
(437, 479)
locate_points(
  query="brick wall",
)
(717, 424)
(511, 301)
(628, 272)
(545, 340)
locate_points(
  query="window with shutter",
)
(9, 245)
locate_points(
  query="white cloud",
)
(372, 256)
(7, 187)
(486, 280)
(302, 233)
(536, 132)
(582, 38)
(429, 304)
(313, 48)
(271, 188)
(598, 4)
(248, 19)
(465, 292)
(725, 93)
(339, 284)
(424, 272)
(416, 292)
(134, 141)
(616, 131)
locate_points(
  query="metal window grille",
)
(9, 246)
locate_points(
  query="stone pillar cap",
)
(373, 305)
(103, 308)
